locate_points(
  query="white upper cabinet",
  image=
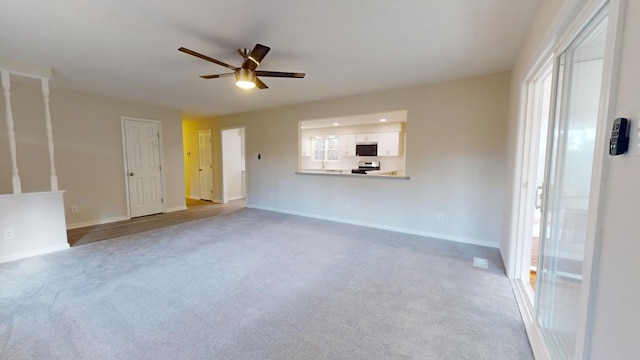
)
(347, 145)
(367, 138)
(389, 144)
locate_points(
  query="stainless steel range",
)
(364, 166)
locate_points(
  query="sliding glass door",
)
(570, 156)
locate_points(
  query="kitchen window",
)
(325, 149)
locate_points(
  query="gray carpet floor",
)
(261, 285)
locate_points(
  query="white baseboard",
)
(384, 227)
(217, 201)
(96, 222)
(27, 254)
(231, 198)
(193, 197)
(176, 208)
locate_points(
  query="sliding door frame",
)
(606, 112)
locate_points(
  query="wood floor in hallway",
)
(196, 209)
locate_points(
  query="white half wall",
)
(36, 222)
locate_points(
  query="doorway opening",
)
(233, 164)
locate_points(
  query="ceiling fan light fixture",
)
(245, 78)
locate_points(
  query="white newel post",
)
(47, 113)
(15, 178)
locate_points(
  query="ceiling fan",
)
(246, 74)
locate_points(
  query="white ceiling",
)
(128, 49)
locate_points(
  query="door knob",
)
(131, 174)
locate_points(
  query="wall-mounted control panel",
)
(619, 141)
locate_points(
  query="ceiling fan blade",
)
(216, 76)
(280, 74)
(205, 57)
(260, 84)
(255, 56)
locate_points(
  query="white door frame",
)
(600, 166)
(123, 119)
(224, 196)
(523, 199)
(530, 149)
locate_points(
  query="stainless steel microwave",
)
(367, 149)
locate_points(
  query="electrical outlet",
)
(9, 235)
(440, 218)
(74, 209)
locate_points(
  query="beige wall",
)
(616, 319)
(456, 143)
(88, 149)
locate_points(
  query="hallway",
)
(196, 209)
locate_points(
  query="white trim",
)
(584, 17)
(27, 254)
(33, 193)
(235, 198)
(516, 191)
(382, 227)
(529, 134)
(96, 222)
(176, 208)
(193, 197)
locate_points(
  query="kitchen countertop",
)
(389, 174)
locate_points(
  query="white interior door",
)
(205, 167)
(233, 164)
(142, 166)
